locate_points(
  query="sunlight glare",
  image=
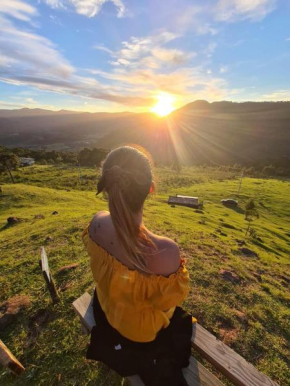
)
(164, 105)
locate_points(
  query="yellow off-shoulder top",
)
(136, 305)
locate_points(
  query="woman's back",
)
(137, 305)
(163, 260)
(140, 279)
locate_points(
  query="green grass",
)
(253, 316)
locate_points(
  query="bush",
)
(269, 170)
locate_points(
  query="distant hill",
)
(37, 128)
(200, 132)
(218, 132)
(234, 107)
(26, 112)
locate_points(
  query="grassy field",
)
(252, 315)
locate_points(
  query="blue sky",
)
(120, 55)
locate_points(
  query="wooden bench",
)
(222, 357)
(191, 202)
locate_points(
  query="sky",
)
(121, 55)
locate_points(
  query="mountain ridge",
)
(199, 132)
(197, 104)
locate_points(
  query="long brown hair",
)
(127, 178)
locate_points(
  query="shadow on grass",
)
(265, 247)
(7, 226)
(237, 209)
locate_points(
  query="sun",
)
(164, 105)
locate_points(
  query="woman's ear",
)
(152, 187)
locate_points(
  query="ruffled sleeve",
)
(85, 236)
(165, 293)
(98, 258)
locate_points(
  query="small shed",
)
(191, 202)
(26, 161)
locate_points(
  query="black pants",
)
(157, 363)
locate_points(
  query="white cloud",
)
(210, 49)
(55, 20)
(6, 61)
(27, 103)
(135, 48)
(29, 59)
(279, 95)
(224, 69)
(196, 18)
(55, 3)
(188, 83)
(233, 10)
(148, 52)
(173, 56)
(142, 66)
(102, 48)
(120, 62)
(31, 52)
(89, 8)
(17, 9)
(287, 40)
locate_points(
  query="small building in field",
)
(26, 161)
(191, 202)
(230, 202)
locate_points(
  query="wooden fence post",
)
(7, 359)
(43, 262)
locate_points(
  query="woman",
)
(140, 280)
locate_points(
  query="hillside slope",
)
(251, 315)
(219, 133)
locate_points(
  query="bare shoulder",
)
(101, 216)
(167, 260)
(100, 224)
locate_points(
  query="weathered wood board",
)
(83, 306)
(226, 360)
(43, 262)
(7, 359)
(191, 197)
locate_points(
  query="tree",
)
(251, 214)
(176, 166)
(91, 157)
(9, 161)
(269, 170)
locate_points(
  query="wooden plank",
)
(191, 197)
(135, 380)
(83, 306)
(196, 374)
(226, 360)
(43, 262)
(7, 359)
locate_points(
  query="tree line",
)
(10, 158)
(85, 157)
